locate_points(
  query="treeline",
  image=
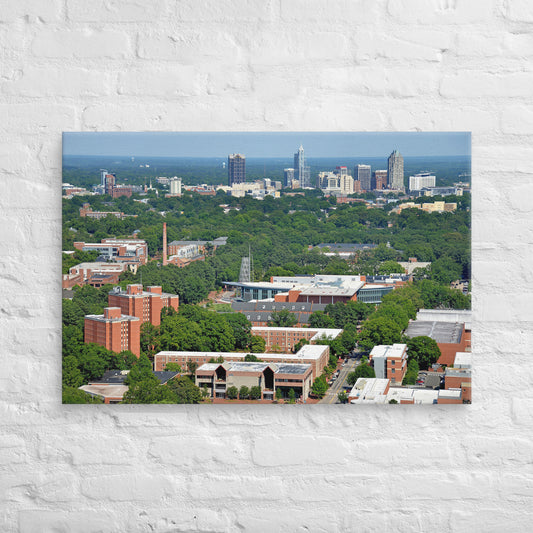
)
(279, 232)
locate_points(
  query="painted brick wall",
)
(69, 65)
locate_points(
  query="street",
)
(333, 391)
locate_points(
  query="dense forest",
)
(279, 233)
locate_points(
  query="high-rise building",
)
(395, 171)
(114, 331)
(303, 173)
(379, 180)
(419, 181)
(175, 186)
(288, 176)
(141, 304)
(363, 174)
(236, 169)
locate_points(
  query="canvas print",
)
(266, 268)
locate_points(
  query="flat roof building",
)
(317, 356)
(217, 378)
(143, 304)
(114, 331)
(389, 361)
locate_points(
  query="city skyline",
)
(265, 144)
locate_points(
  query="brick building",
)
(120, 250)
(389, 361)
(95, 274)
(218, 377)
(285, 338)
(317, 356)
(146, 305)
(114, 331)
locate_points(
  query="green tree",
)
(251, 358)
(319, 319)
(299, 344)
(147, 391)
(244, 392)
(320, 386)
(342, 397)
(241, 328)
(255, 392)
(390, 267)
(395, 312)
(232, 393)
(75, 395)
(424, 350)
(72, 377)
(173, 367)
(292, 396)
(393, 401)
(141, 371)
(445, 270)
(362, 371)
(282, 319)
(150, 339)
(257, 344)
(279, 394)
(412, 372)
(185, 390)
(380, 330)
(192, 366)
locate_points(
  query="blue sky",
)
(265, 144)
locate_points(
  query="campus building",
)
(119, 250)
(449, 336)
(389, 361)
(285, 339)
(219, 377)
(114, 331)
(95, 274)
(317, 356)
(146, 305)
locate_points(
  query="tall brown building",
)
(114, 331)
(144, 305)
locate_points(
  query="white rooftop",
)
(369, 390)
(463, 360)
(446, 315)
(387, 350)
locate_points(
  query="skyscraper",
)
(303, 174)
(395, 171)
(288, 176)
(236, 169)
(363, 174)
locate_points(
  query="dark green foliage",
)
(362, 371)
(395, 312)
(319, 319)
(75, 395)
(255, 392)
(299, 344)
(232, 393)
(173, 367)
(292, 396)
(390, 267)
(244, 392)
(282, 319)
(412, 372)
(251, 358)
(257, 344)
(342, 397)
(379, 330)
(348, 313)
(320, 386)
(424, 350)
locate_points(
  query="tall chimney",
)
(164, 243)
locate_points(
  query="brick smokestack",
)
(164, 243)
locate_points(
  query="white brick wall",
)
(68, 65)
